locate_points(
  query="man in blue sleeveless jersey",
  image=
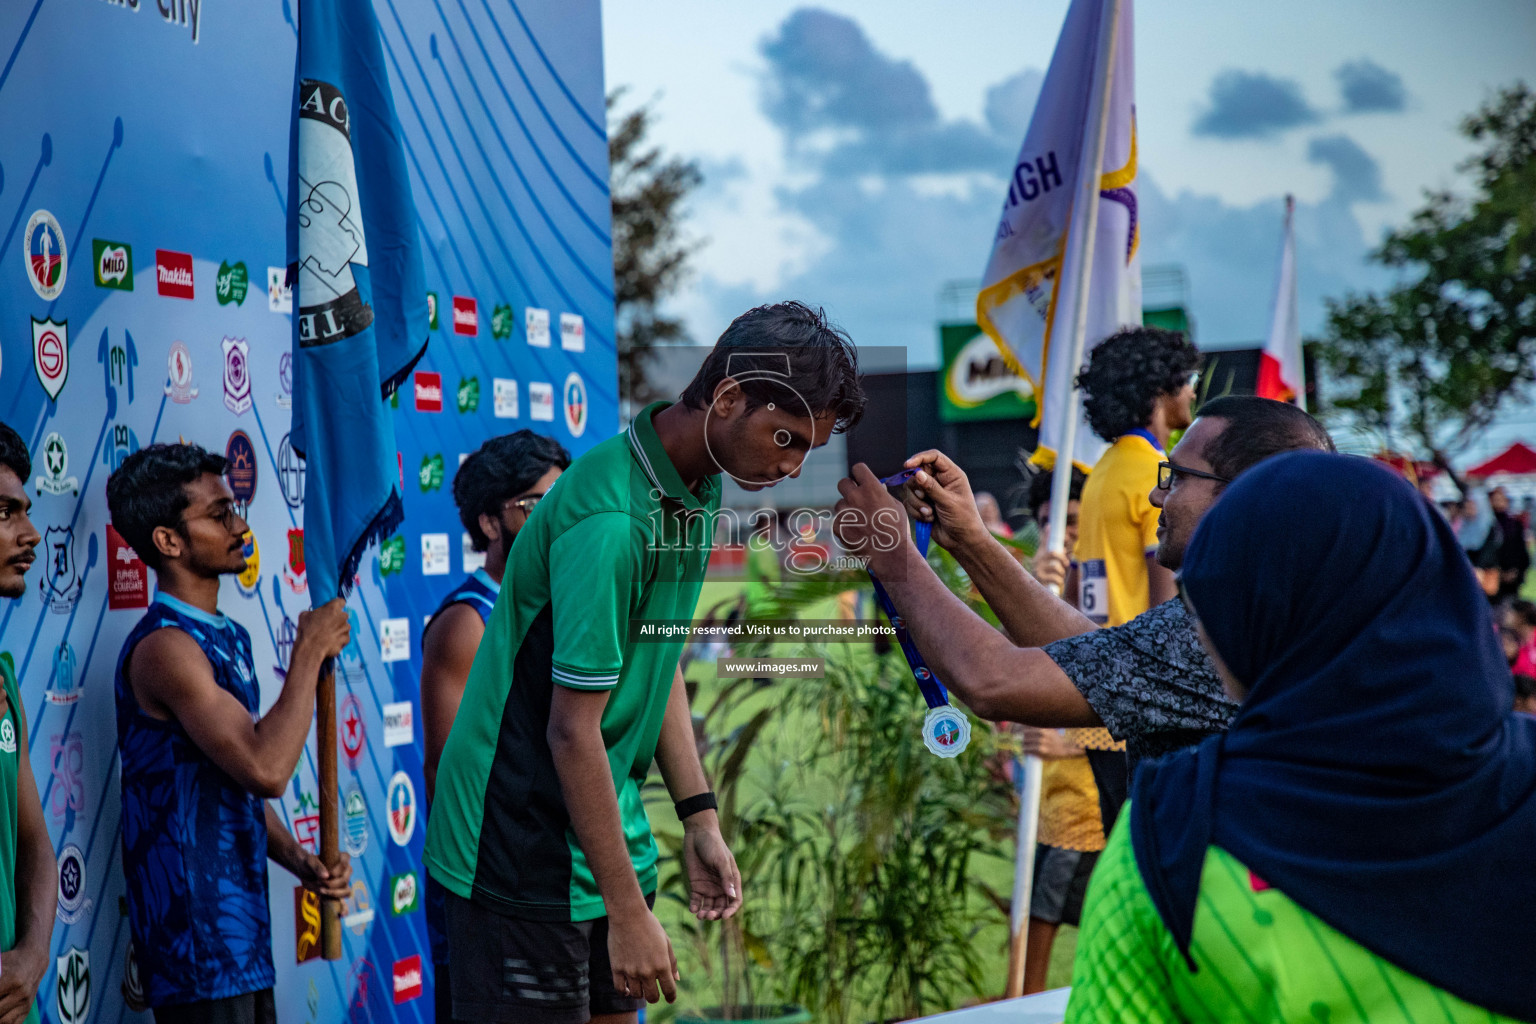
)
(197, 757)
(27, 874)
(495, 489)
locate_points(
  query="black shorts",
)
(511, 970)
(1061, 880)
(251, 1008)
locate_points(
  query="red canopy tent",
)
(1519, 459)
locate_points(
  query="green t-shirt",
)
(1262, 959)
(617, 538)
(11, 753)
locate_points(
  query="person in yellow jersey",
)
(1138, 388)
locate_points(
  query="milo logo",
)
(114, 264)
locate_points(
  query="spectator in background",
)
(1055, 572)
(992, 515)
(1525, 693)
(1301, 868)
(1514, 556)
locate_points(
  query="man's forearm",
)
(581, 762)
(37, 884)
(281, 846)
(1031, 614)
(284, 729)
(677, 753)
(996, 679)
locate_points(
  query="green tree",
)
(650, 253)
(1435, 357)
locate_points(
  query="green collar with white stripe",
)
(657, 464)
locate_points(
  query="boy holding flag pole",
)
(360, 325)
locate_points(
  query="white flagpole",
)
(1063, 408)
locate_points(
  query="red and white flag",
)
(1281, 376)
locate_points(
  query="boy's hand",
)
(641, 956)
(714, 882)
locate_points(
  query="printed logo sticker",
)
(431, 311)
(124, 443)
(355, 809)
(237, 375)
(62, 681)
(573, 332)
(294, 573)
(119, 359)
(50, 354)
(232, 284)
(66, 754)
(7, 735)
(56, 467)
(173, 273)
(178, 374)
(501, 322)
(395, 639)
(434, 554)
(132, 987)
(575, 393)
(127, 575)
(306, 925)
(285, 380)
(240, 469)
(429, 391)
(290, 473)
(74, 991)
(352, 731)
(505, 395)
(72, 900)
(279, 291)
(404, 894)
(250, 576)
(541, 401)
(398, 721)
(357, 910)
(469, 394)
(392, 556)
(43, 248)
(466, 316)
(536, 326)
(430, 476)
(59, 583)
(114, 264)
(407, 979)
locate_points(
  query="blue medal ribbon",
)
(933, 690)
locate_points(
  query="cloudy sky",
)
(854, 150)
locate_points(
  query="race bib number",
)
(1093, 590)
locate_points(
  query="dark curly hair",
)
(1126, 374)
(1040, 490)
(13, 453)
(787, 352)
(499, 469)
(149, 491)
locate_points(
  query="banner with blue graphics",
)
(143, 156)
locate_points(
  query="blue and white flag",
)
(360, 317)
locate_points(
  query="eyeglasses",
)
(524, 505)
(224, 514)
(1168, 472)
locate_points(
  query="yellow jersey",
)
(1116, 530)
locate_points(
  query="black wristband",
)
(693, 805)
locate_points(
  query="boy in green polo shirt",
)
(538, 831)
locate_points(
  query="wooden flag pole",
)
(1084, 225)
(325, 725)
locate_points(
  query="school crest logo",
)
(355, 809)
(237, 375)
(132, 988)
(575, 404)
(330, 221)
(178, 374)
(294, 573)
(352, 731)
(43, 248)
(61, 677)
(114, 264)
(55, 466)
(60, 582)
(74, 992)
(118, 361)
(7, 736)
(290, 473)
(306, 925)
(401, 800)
(250, 576)
(124, 443)
(72, 900)
(240, 469)
(50, 354)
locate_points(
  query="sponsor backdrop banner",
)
(143, 149)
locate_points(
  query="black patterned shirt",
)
(1150, 681)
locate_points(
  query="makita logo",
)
(173, 273)
(466, 319)
(429, 392)
(407, 977)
